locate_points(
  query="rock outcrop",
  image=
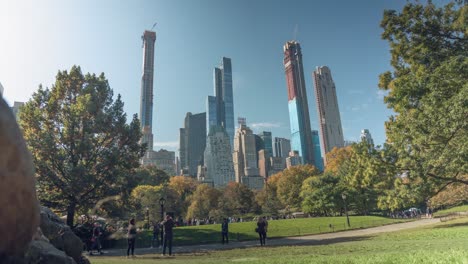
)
(19, 208)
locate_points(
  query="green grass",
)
(462, 208)
(440, 243)
(204, 234)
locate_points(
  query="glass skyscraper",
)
(301, 134)
(211, 113)
(146, 104)
(317, 152)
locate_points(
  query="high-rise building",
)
(241, 121)
(218, 158)
(282, 147)
(331, 133)
(293, 159)
(366, 136)
(263, 163)
(146, 104)
(192, 142)
(177, 166)
(267, 142)
(211, 113)
(301, 136)
(277, 164)
(162, 159)
(222, 76)
(245, 158)
(16, 108)
(317, 151)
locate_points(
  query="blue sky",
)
(37, 38)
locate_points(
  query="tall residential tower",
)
(301, 133)
(146, 104)
(331, 132)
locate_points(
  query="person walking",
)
(156, 231)
(168, 225)
(262, 230)
(225, 231)
(96, 239)
(131, 237)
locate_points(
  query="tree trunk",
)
(71, 213)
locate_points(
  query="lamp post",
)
(343, 195)
(147, 217)
(162, 201)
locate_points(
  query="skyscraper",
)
(301, 136)
(366, 136)
(245, 158)
(218, 158)
(282, 147)
(192, 142)
(317, 152)
(222, 76)
(211, 113)
(328, 110)
(267, 142)
(146, 104)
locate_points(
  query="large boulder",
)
(41, 252)
(60, 235)
(19, 208)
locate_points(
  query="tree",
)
(322, 195)
(147, 196)
(204, 202)
(238, 198)
(336, 157)
(150, 175)
(290, 184)
(81, 143)
(429, 93)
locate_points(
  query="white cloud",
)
(166, 144)
(381, 94)
(265, 125)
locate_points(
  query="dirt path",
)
(319, 239)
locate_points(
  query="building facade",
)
(267, 142)
(244, 154)
(162, 159)
(317, 150)
(367, 137)
(331, 132)
(192, 142)
(277, 164)
(294, 159)
(282, 147)
(146, 104)
(301, 136)
(211, 113)
(16, 109)
(218, 158)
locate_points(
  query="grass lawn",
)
(462, 208)
(440, 243)
(203, 234)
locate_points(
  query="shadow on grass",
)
(452, 225)
(320, 242)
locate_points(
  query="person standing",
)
(225, 231)
(262, 229)
(156, 231)
(131, 237)
(97, 233)
(168, 225)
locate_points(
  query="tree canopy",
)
(81, 143)
(428, 90)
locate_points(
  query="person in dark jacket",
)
(156, 230)
(96, 238)
(168, 225)
(131, 237)
(225, 231)
(262, 226)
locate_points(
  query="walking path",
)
(319, 239)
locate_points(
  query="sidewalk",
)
(318, 239)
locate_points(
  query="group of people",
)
(167, 227)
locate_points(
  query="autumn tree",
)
(150, 175)
(82, 145)
(336, 157)
(238, 198)
(203, 202)
(428, 91)
(321, 195)
(147, 196)
(290, 183)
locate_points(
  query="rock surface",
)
(60, 235)
(19, 208)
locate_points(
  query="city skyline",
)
(356, 95)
